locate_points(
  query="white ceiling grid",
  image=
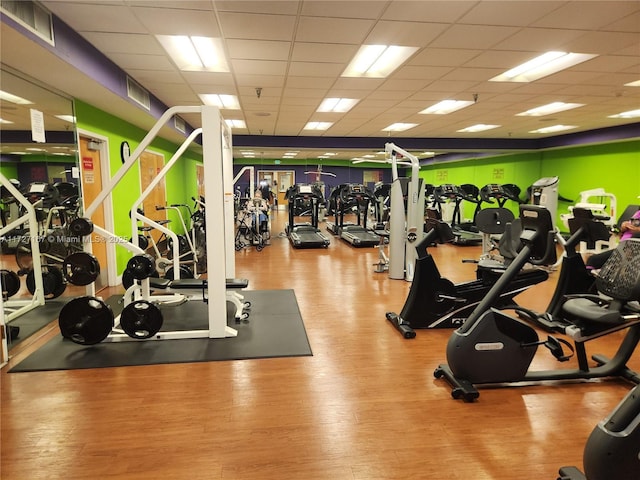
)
(295, 52)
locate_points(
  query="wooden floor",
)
(365, 406)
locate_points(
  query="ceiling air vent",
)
(137, 93)
(179, 124)
(31, 16)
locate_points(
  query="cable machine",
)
(405, 224)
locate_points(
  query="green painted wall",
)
(521, 169)
(180, 180)
(612, 166)
(9, 170)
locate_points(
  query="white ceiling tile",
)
(177, 21)
(473, 36)
(258, 50)
(587, 15)
(342, 30)
(309, 82)
(508, 13)
(303, 69)
(92, 17)
(411, 34)
(259, 67)
(148, 77)
(108, 42)
(345, 9)
(427, 11)
(262, 81)
(257, 27)
(443, 57)
(323, 52)
(603, 43)
(284, 7)
(141, 62)
(208, 78)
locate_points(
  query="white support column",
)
(213, 158)
(227, 178)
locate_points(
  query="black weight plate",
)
(81, 268)
(10, 282)
(142, 266)
(141, 319)
(53, 282)
(81, 227)
(86, 320)
(127, 278)
(185, 272)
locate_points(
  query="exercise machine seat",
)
(619, 280)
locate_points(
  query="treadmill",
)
(307, 234)
(455, 194)
(336, 208)
(358, 235)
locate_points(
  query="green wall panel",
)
(9, 170)
(178, 188)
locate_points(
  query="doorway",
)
(91, 166)
(279, 181)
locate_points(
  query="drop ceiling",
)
(295, 52)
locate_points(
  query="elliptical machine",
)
(494, 348)
(612, 448)
(436, 302)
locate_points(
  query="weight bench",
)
(196, 285)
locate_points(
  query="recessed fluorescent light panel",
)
(548, 109)
(377, 61)
(338, 105)
(2, 120)
(629, 114)
(480, 127)
(399, 127)
(553, 129)
(541, 66)
(633, 84)
(228, 102)
(446, 106)
(9, 97)
(195, 54)
(235, 123)
(317, 125)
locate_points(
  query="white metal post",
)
(212, 153)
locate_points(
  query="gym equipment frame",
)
(37, 299)
(217, 160)
(494, 348)
(16, 308)
(405, 228)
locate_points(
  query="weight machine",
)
(89, 320)
(405, 225)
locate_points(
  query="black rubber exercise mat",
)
(274, 329)
(32, 321)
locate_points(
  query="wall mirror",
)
(38, 153)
